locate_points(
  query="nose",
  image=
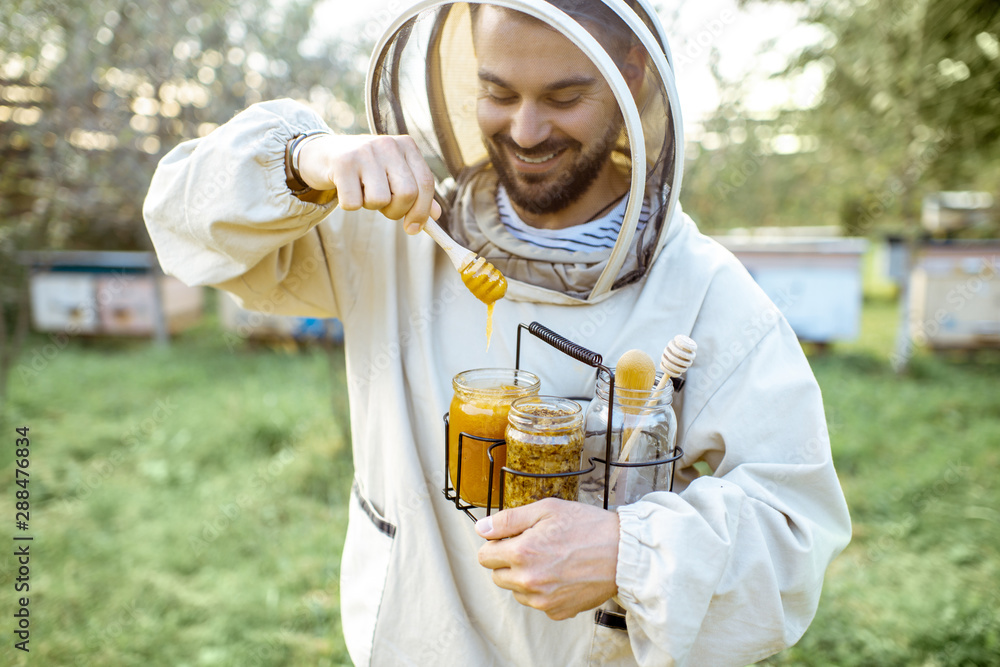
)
(529, 127)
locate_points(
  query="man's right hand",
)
(381, 173)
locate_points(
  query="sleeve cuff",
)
(632, 556)
(296, 119)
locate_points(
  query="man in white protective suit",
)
(546, 137)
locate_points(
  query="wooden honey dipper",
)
(677, 357)
(482, 278)
(634, 372)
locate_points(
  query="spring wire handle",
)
(564, 345)
(583, 355)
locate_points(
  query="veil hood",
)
(423, 81)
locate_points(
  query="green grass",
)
(917, 457)
(189, 504)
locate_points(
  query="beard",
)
(539, 194)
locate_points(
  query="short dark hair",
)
(597, 18)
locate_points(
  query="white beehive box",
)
(64, 302)
(108, 293)
(955, 295)
(816, 283)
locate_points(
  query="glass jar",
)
(479, 408)
(650, 416)
(544, 436)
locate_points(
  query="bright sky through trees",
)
(753, 43)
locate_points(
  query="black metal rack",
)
(581, 354)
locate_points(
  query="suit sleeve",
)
(729, 570)
(219, 213)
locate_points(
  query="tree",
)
(912, 94)
(910, 104)
(93, 94)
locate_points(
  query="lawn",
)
(188, 505)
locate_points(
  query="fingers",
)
(423, 202)
(514, 521)
(386, 174)
(499, 554)
(374, 167)
(543, 596)
(554, 555)
(396, 186)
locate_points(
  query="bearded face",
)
(572, 168)
(548, 118)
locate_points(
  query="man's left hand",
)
(560, 556)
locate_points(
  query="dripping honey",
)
(486, 285)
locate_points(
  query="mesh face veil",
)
(563, 103)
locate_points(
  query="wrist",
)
(293, 151)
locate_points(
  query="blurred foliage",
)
(92, 95)
(96, 93)
(911, 105)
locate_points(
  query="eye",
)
(563, 101)
(502, 99)
(498, 95)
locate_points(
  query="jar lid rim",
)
(524, 380)
(567, 406)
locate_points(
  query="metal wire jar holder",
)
(583, 355)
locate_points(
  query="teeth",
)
(535, 160)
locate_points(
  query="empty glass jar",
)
(641, 420)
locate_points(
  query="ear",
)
(634, 69)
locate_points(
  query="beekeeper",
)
(546, 137)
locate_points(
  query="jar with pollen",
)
(544, 437)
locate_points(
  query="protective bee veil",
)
(435, 75)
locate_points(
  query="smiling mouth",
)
(536, 160)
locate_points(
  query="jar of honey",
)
(544, 436)
(479, 409)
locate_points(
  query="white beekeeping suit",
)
(724, 570)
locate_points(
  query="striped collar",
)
(589, 236)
